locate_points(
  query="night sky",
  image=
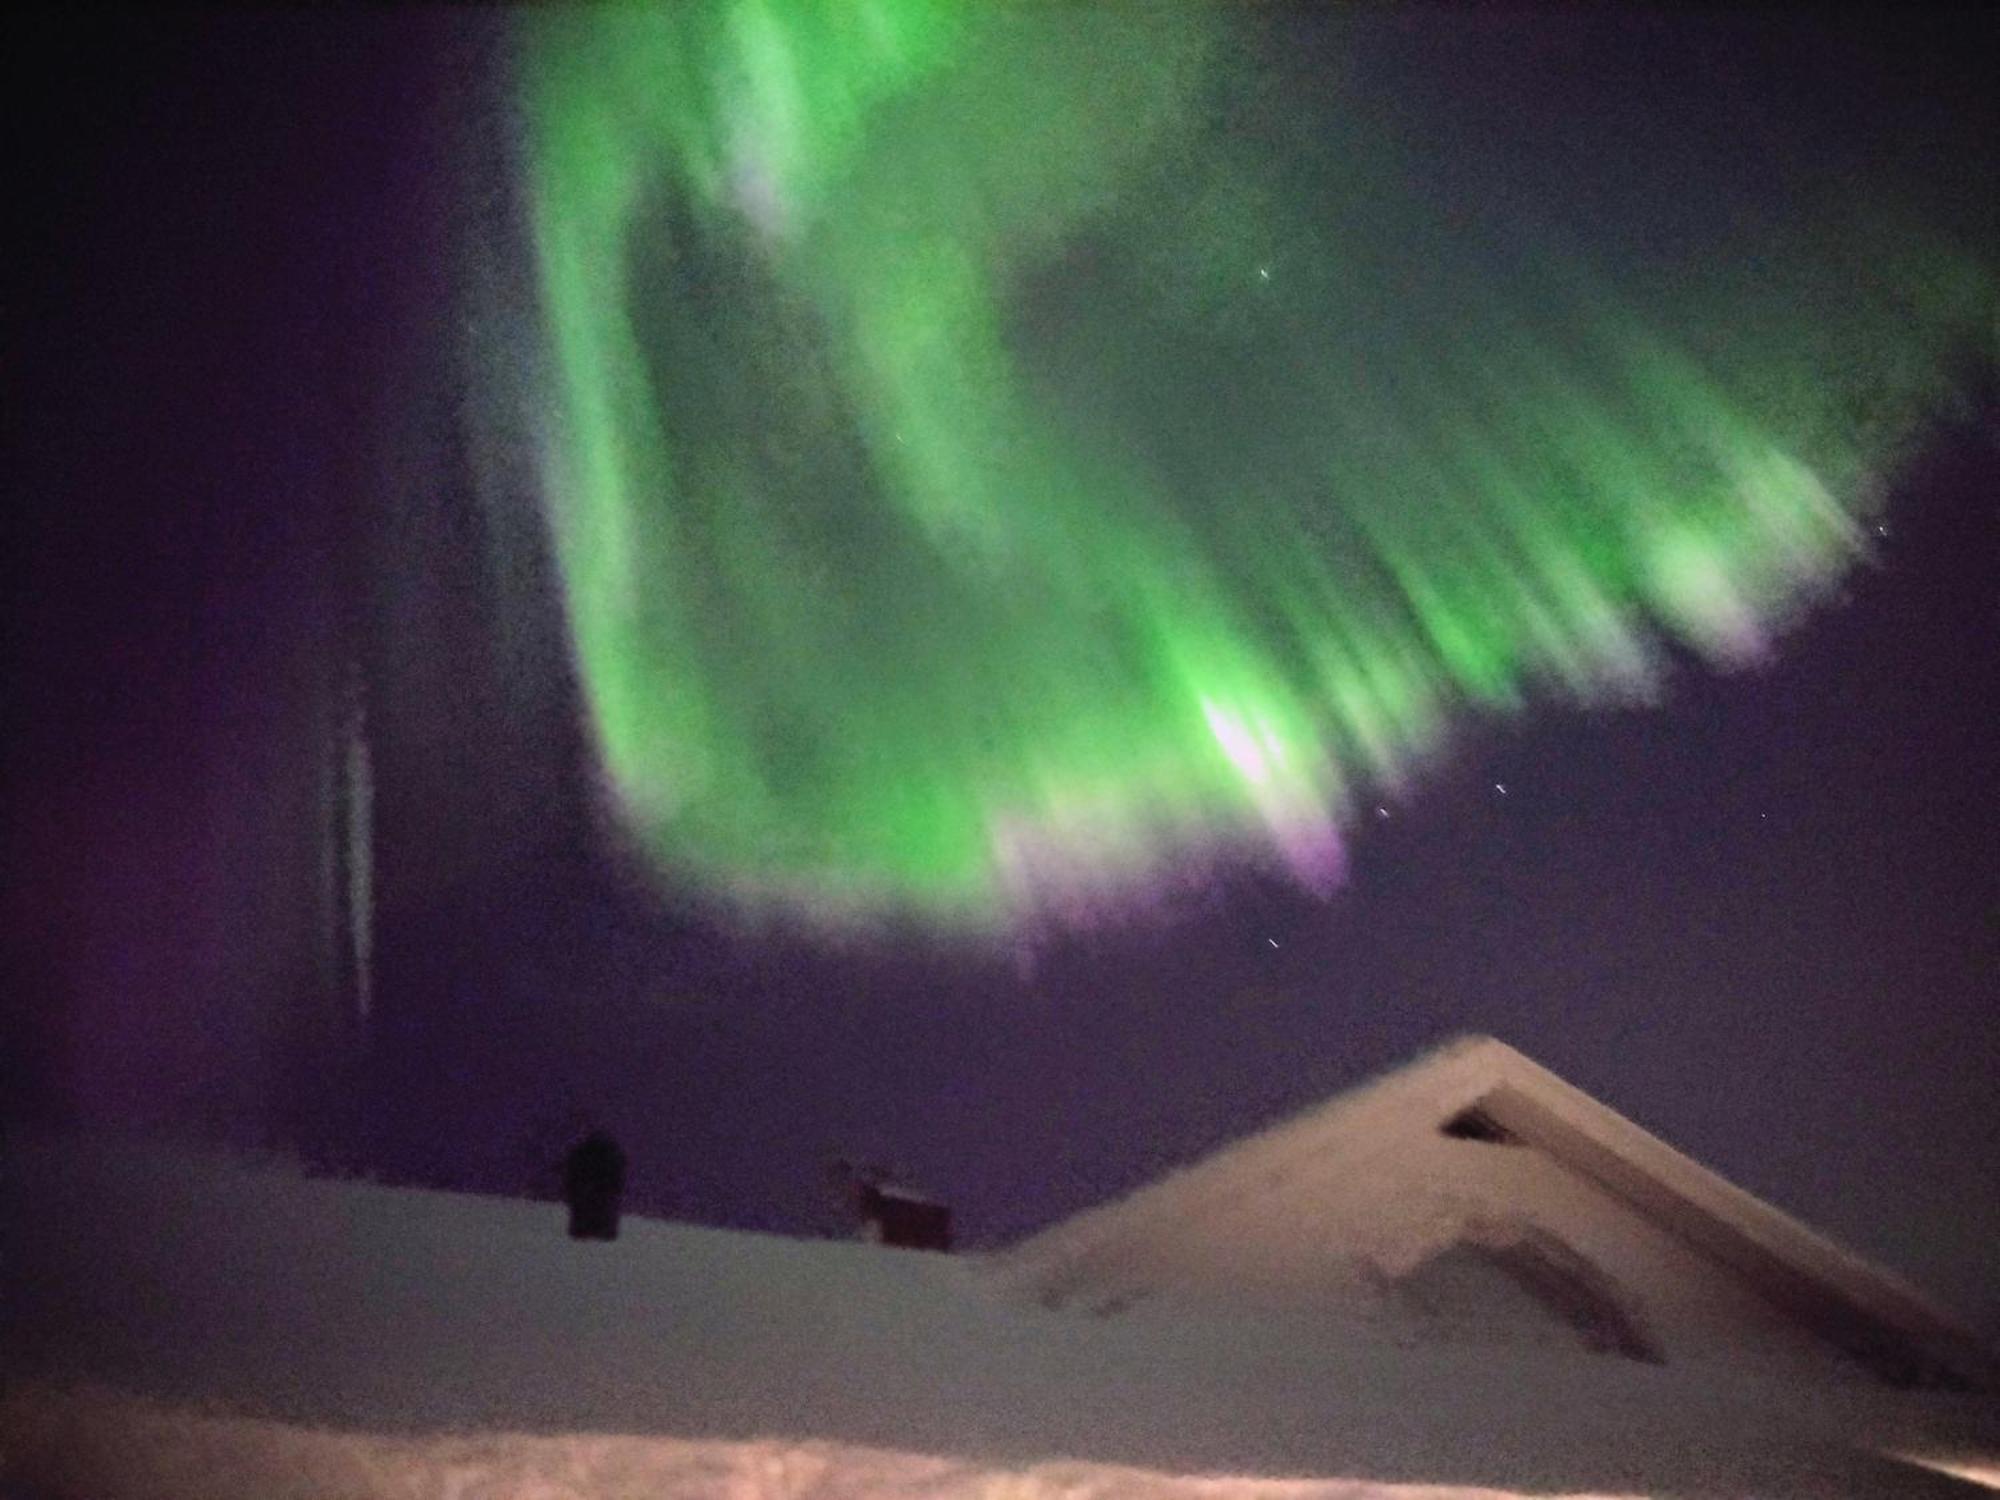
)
(1757, 916)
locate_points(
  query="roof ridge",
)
(1771, 1228)
(1579, 1133)
(1291, 1135)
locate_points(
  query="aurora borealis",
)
(283, 436)
(1003, 460)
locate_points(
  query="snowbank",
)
(261, 1313)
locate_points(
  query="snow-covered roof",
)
(258, 1328)
(1361, 1190)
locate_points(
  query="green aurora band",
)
(1003, 459)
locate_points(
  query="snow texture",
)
(179, 1323)
(1551, 1218)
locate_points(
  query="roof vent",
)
(1474, 1124)
(891, 1214)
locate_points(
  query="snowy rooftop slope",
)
(1417, 1198)
(382, 1311)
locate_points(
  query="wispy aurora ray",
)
(1001, 457)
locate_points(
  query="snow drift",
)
(179, 1322)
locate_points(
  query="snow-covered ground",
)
(179, 1323)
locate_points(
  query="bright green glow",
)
(983, 482)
